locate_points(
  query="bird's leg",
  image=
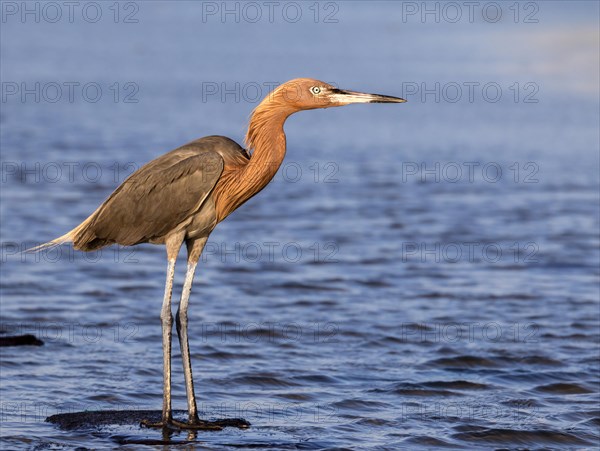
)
(194, 250)
(181, 320)
(166, 318)
(167, 422)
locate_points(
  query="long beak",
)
(347, 97)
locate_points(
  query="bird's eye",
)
(315, 90)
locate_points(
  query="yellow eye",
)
(315, 90)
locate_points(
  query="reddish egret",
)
(182, 195)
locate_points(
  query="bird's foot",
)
(196, 424)
(163, 424)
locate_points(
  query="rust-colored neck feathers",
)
(266, 140)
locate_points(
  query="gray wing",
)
(154, 200)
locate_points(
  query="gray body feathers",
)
(168, 195)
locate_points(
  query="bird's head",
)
(307, 94)
(298, 95)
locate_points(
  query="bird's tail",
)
(67, 237)
(72, 236)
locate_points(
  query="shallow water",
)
(417, 276)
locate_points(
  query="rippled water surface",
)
(417, 276)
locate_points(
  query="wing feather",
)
(154, 200)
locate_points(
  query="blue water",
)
(417, 276)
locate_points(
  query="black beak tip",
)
(389, 99)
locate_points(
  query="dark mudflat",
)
(99, 419)
(21, 340)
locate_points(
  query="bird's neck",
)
(265, 140)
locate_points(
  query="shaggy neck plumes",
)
(265, 140)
